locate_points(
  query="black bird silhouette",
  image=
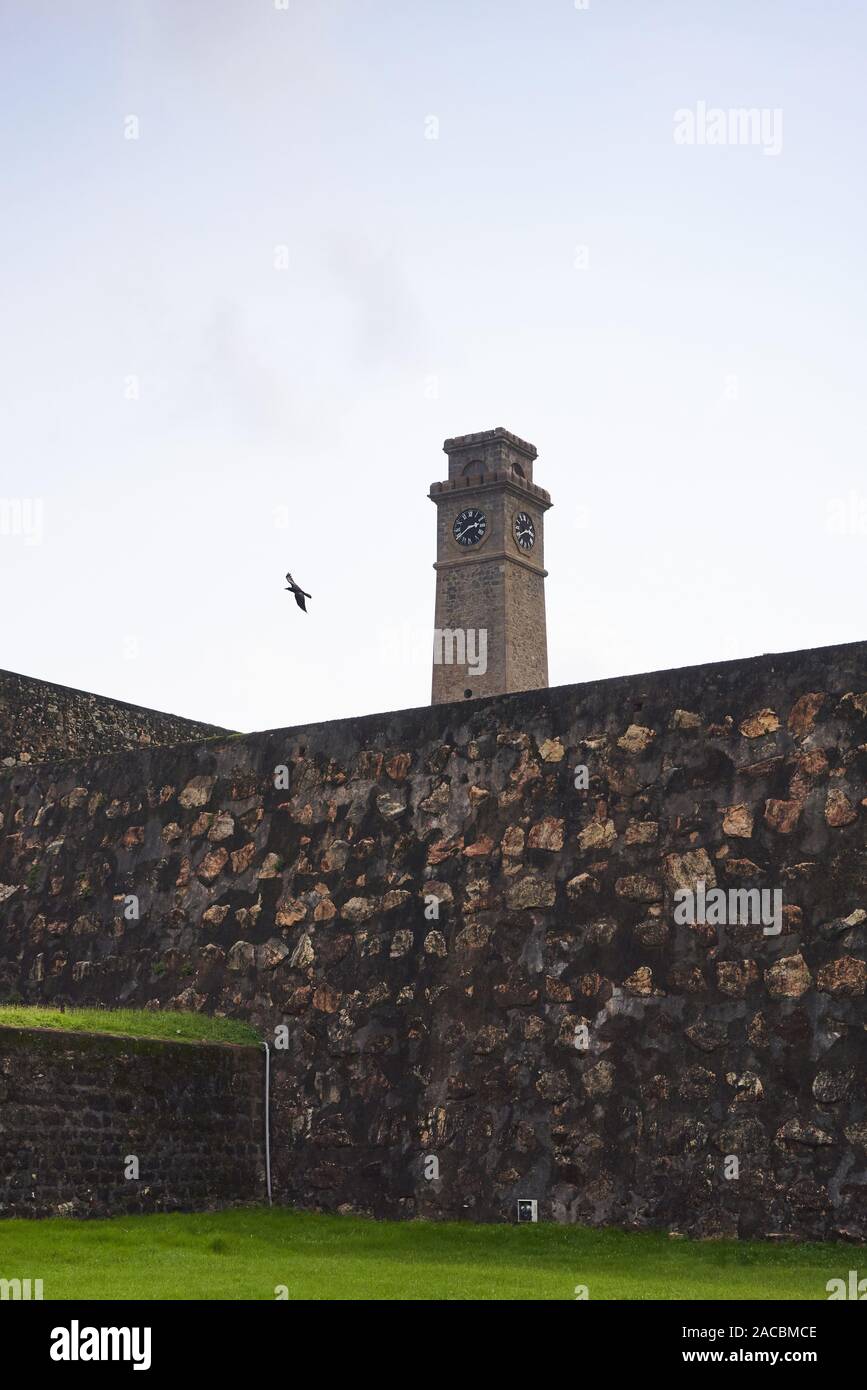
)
(299, 593)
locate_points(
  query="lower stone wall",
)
(74, 1108)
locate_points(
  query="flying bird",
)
(299, 593)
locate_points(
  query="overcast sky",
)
(234, 345)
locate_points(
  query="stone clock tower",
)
(489, 633)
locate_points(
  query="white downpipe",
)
(268, 1120)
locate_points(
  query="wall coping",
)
(512, 704)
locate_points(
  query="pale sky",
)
(694, 378)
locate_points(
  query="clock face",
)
(525, 531)
(470, 526)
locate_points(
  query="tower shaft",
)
(489, 626)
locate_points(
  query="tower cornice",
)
(485, 482)
(490, 558)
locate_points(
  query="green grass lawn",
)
(246, 1253)
(136, 1023)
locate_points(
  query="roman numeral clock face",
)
(525, 531)
(470, 526)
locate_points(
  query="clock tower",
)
(489, 629)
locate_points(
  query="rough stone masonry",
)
(435, 906)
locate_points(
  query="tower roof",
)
(487, 453)
(467, 441)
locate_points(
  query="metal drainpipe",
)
(268, 1120)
